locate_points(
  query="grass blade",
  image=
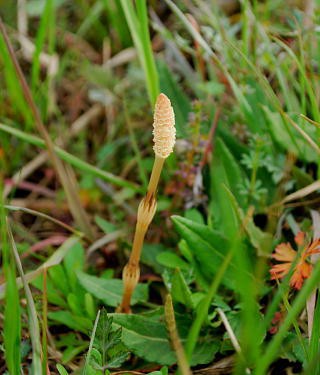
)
(138, 25)
(56, 258)
(71, 159)
(12, 320)
(68, 183)
(93, 334)
(32, 312)
(272, 349)
(314, 347)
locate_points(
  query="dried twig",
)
(231, 334)
(301, 193)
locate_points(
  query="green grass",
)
(46, 30)
(12, 311)
(137, 20)
(71, 159)
(244, 145)
(33, 322)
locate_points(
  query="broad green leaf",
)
(179, 289)
(74, 261)
(110, 291)
(261, 240)
(207, 246)
(90, 306)
(59, 279)
(54, 296)
(78, 323)
(225, 172)
(147, 338)
(171, 260)
(75, 303)
(194, 215)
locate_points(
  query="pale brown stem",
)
(155, 175)
(131, 271)
(126, 299)
(130, 275)
(137, 245)
(146, 211)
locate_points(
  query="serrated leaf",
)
(95, 357)
(107, 341)
(110, 291)
(118, 360)
(105, 338)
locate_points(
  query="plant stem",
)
(146, 211)
(155, 175)
(174, 337)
